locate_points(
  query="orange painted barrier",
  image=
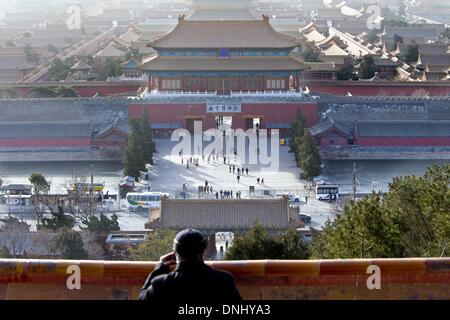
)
(259, 279)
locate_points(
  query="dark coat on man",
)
(192, 281)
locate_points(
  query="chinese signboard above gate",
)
(231, 108)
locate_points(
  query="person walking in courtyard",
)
(238, 178)
(238, 171)
(221, 194)
(229, 168)
(234, 168)
(217, 195)
(246, 171)
(257, 180)
(262, 181)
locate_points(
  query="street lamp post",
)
(91, 189)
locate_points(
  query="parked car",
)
(305, 217)
(305, 234)
(291, 197)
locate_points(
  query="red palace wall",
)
(385, 88)
(412, 141)
(45, 142)
(337, 141)
(373, 89)
(89, 91)
(104, 90)
(282, 112)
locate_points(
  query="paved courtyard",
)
(169, 174)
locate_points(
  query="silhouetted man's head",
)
(190, 244)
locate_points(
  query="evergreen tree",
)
(66, 92)
(372, 36)
(42, 92)
(31, 55)
(296, 132)
(58, 70)
(446, 33)
(309, 55)
(147, 137)
(258, 243)
(367, 67)
(411, 220)
(158, 243)
(134, 161)
(345, 72)
(309, 156)
(140, 146)
(101, 224)
(411, 53)
(69, 244)
(39, 183)
(397, 40)
(111, 68)
(58, 221)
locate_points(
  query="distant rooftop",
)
(224, 34)
(224, 214)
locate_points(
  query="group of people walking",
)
(228, 194)
(240, 171)
(234, 169)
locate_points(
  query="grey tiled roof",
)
(432, 48)
(403, 128)
(328, 124)
(34, 129)
(439, 59)
(100, 111)
(21, 187)
(224, 214)
(12, 62)
(411, 32)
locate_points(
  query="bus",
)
(144, 201)
(323, 191)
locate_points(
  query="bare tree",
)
(14, 235)
(79, 202)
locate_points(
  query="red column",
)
(149, 83)
(182, 82)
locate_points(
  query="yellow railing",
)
(260, 279)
